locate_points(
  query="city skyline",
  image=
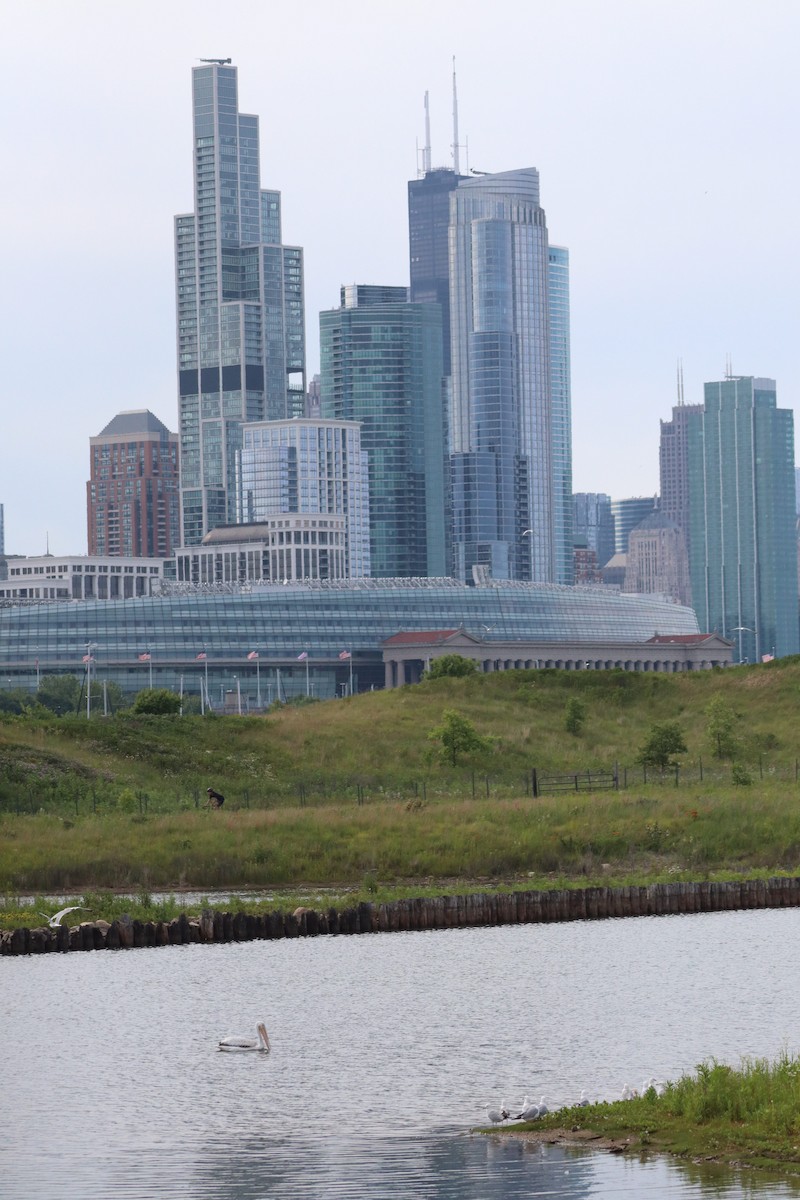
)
(638, 178)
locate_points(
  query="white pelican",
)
(260, 1043)
(497, 1115)
(55, 920)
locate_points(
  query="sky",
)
(664, 131)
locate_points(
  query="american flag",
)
(87, 658)
(253, 654)
(767, 657)
(144, 657)
(302, 657)
(201, 656)
(345, 654)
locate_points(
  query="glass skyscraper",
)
(561, 410)
(743, 549)
(241, 340)
(310, 468)
(381, 364)
(428, 242)
(510, 457)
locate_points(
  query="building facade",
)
(743, 549)
(312, 468)
(279, 549)
(78, 577)
(627, 514)
(657, 561)
(132, 497)
(241, 328)
(429, 242)
(381, 365)
(208, 636)
(501, 418)
(561, 409)
(673, 457)
(593, 524)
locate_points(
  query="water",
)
(385, 1051)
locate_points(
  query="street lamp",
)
(740, 629)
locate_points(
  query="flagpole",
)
(258, 683)
(150, 665)
(351, 672)
(205, 664)
(308, 689)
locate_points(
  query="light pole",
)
(740, 629)
(90, 646)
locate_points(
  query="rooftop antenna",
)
(426, 152)
(455, 120)
(728, 366)
(680, 381)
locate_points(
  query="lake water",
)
(386, 1049)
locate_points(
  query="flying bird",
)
(55, 920)
(239, 1044)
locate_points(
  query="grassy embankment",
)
(748, 1117)
(112, 803)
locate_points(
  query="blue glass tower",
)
(510, 442)
(381, 364)
(241, 341)
(743, 548)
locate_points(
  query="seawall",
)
(440, 912)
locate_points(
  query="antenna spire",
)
(680, 381)
(455, 120)
(426, 153)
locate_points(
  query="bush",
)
(451, 666)
(157, 701)
(574, 716)
(663, 742)
(458, 736)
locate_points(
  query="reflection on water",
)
(385, 1051)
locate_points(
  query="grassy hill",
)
(353, 790)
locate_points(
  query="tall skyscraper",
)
(743, 550)
(594, 523)
(561, 411)
(657, 560)
(311, 468)
(132, 493)
(241, 340)
(627, 515)
(429, 244)
(381, 364)
(507, 492)
(674, 468)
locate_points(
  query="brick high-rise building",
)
(132, 494)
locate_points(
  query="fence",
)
(70, 796)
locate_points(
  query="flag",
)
(144, 657)
(253, 654)
(767, 657)
(345, 654)
(302, 657)
(87, 658)
(201, 656)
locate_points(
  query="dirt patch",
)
(574, 1137)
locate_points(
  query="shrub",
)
(458, 736)
(451, 666)
(663, 742)
(574, 716)
(157, 701)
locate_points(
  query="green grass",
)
(331, 794)
(749, 1116)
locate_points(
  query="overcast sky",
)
(664, 131)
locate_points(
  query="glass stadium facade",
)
(321, 636)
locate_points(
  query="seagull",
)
(529, 1111)
(55, 920)
(497, 1115)
(583, 1102)
(626, 1093)
(260, 1043)
(543, 1109)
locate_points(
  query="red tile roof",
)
(425, 637)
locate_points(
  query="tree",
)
(663, 741)
(458, 736)
(720, 724)
(59, 693)
(157, 701)
(451, 666)
(574, 716)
